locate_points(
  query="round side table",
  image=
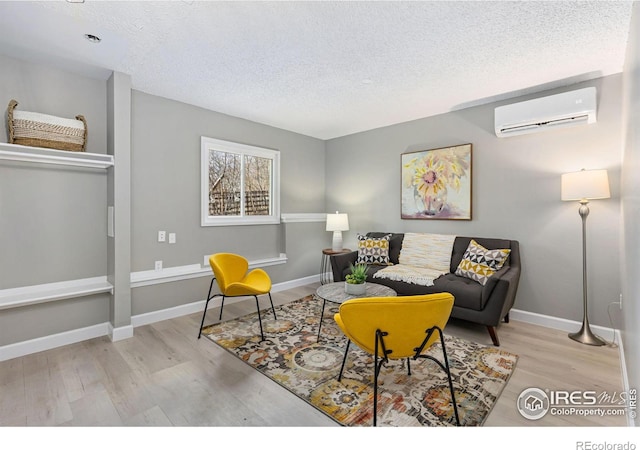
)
(326, 274)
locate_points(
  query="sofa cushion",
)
(479, 263)
(373, 250)
(467, 293)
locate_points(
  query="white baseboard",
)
(52, 341)
(197, 307)
(558, 323)
(31, 346)
(120, 333)
(70, 337)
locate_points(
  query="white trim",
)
(24, 153)
(198, 306)
(168, 275)
(303, 217)
(24, 348)
(18, 349)
(555, 323)
(119, 333)
(179, 273)
(49, 292)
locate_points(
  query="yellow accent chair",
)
(397, 328)
(234, 279)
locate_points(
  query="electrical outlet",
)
(162, 236)
(158, 265)
(172, 238)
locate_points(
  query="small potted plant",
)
(355, 282)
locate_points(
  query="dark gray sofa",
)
(486, 305)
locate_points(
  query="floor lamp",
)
(583, 186)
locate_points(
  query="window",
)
(240, 184)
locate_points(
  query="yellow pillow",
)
(479, 263)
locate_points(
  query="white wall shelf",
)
(23, 153)
(51, 292)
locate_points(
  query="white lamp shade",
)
(585, 185)
(337, 222)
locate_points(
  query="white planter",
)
(355, 289)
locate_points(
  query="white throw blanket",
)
(423, 258)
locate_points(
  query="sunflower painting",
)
(436, 184)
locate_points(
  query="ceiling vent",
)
(547, 113)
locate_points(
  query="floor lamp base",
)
(585, 336)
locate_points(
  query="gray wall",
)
(631, 206)
(515, 195)
(165, 195)
(46, 90)
(53, 218)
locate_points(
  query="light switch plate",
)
(172, 238)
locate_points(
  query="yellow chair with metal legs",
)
(397, 328)
(234, 279)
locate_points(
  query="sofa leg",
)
(494, 335)
(506, 318)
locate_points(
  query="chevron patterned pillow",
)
(479, 263)
(373, 250)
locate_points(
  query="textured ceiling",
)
(326, 69)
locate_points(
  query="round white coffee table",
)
(335, 293)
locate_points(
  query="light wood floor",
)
(165, 376)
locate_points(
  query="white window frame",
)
(211, 144)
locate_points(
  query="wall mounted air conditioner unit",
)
(547, 113)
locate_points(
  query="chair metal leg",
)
(205, 307)
(375, 384)
(444, 366)
(272, 308)
(320, 326)
(221, 306)
(203, 315)
(448, 370)
(259, 318)
(344, 359)
(377, 367)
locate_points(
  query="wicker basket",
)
(42, 130)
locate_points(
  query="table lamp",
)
(337, 223)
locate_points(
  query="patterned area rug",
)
(291, 357)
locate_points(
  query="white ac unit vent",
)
(546, 113)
